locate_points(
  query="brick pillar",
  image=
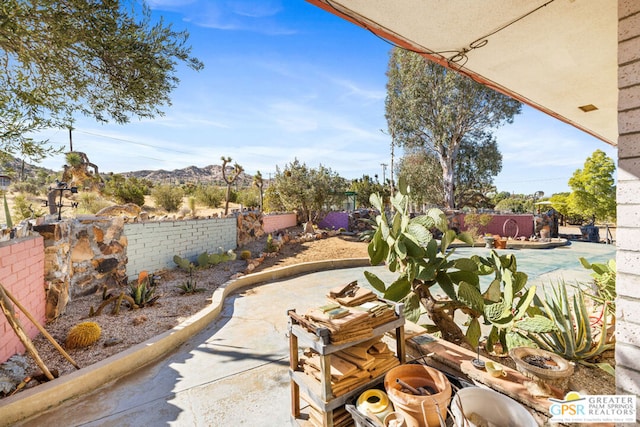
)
(628, 232)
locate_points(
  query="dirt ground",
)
(130, 327)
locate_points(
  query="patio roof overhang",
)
(559, 56)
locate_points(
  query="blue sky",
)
(285, 80)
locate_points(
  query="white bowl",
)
(493, 407)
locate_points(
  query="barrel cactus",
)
(83, 335)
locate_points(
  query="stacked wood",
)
(341, 418)
(353, 366)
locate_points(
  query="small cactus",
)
(182, 262)
(83, 335)
(143, 291)
(245, 255)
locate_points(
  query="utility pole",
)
(391, 170)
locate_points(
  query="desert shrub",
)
(512, 205)
(29, 187)
(476, 222)
(126, 190)
(249, 197)
(90, 203)
(209, 195)
(167, 197)
(23, 208)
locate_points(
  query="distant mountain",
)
(19, 170)
(192, 174)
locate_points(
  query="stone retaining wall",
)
(250, 227)
(82, 255)
(22, 274)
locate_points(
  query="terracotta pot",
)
(419, 411)
(500, 244)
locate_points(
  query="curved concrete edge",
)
(86, 380)
(517, 244)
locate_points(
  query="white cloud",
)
(354, 89)
(256, 16)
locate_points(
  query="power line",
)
(135, 142)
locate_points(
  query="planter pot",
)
(555, 370)
(419, 411)
(488, 241)
(500, 244)
(545, 233)
(492, 407)
(394, 419)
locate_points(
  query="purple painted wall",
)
(503, 225)
(335, 221)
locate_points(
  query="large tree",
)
(478, 161)
(593, 190)
(106, 59)
(422, 171)
(305, 189)
(432, 107)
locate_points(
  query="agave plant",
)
(143, 290)
(572, 336)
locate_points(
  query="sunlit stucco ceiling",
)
(555, 55)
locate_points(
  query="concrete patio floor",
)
(235, 371)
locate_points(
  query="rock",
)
(110, 342)
(130, 210)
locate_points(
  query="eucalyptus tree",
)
(478, 161)
(422, 171)
(108, 60)
(431, 107)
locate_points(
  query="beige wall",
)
(628, 232)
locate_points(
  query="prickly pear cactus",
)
(182, 262)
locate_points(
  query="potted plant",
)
(488, 240)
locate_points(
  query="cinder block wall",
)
(152, 245)
(22, 274)
(271, 223)
(628, 232)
